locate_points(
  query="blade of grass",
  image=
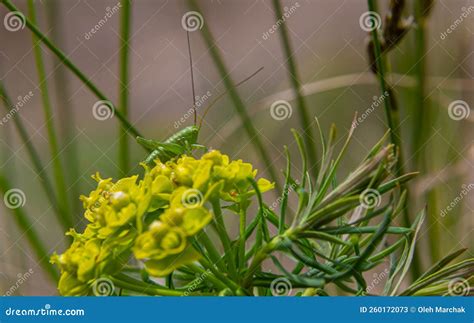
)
(392, 116)
(442, 263)
(424, 118)
(236, 99)
(303, 155)
(411, 252)
(381, 66)
(66, 113)
(58, 170)
(73, 68)
(391, 108)
(297, 88)
(286, 188)
(27, 228)
(461, 269)
(124, 157)
(36, 161)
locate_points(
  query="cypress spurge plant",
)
(165, 232)
(153, 234)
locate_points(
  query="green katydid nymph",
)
(185, 140)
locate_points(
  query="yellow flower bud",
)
(159, 241)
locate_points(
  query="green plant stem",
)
(296, 84)
(236, 99)
(380, 62)
(214, 255)
(224, 237)
(74, 69)
(142, 288)
(124, 157)
(28, 228)
(58, 170)
(261, 255)
(242, 240)
(60, 213)
(212, 278)
(392, 115)
(286, 188)
(219, 275)
(423, 121)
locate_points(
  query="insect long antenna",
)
(224, 93)
(192, 77)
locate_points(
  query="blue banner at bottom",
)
(237, 309)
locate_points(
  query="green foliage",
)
(166, 232)
(339, 231)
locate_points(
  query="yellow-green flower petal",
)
(159, 241)
(163, 267)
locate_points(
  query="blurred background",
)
(329, 47)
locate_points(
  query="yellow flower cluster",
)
(155, 218)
